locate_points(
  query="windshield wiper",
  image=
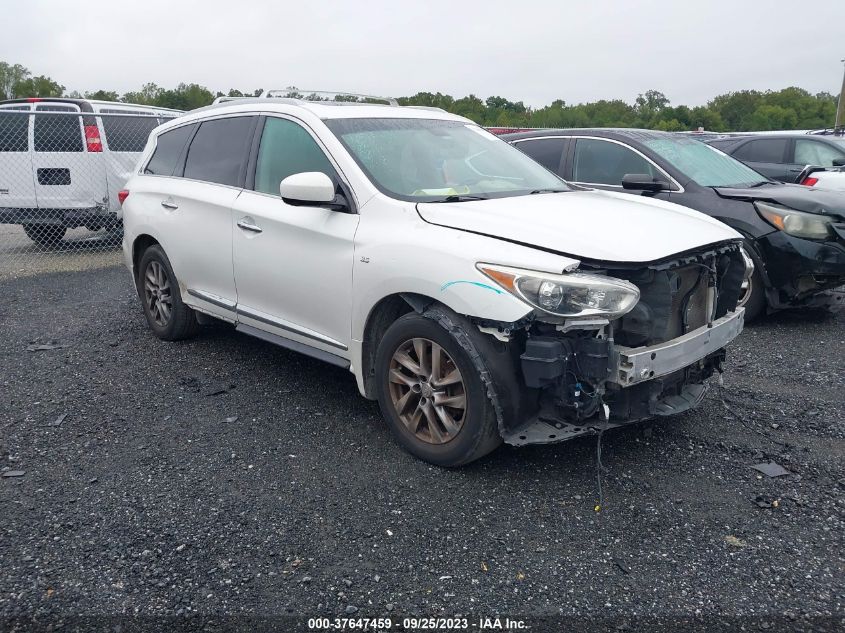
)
(461, 198)
(765, 182)
(531, 193)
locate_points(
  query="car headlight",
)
(796, 223)
(567, 295)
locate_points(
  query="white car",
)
(472, 292)
(831, 178)
(63, 161)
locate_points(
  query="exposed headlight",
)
(797, 223)
(568, 295)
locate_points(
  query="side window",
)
(219, 150)
(604, 163)
(169, 147)
(127, 134)
(764, 150)
(14, 130)
(815, 153)
(546, 151)
(286, 149)
(57, 132)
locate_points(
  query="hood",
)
(795, 197)
(596, 225)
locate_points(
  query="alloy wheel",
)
(427, 390)
(157, 293)
(745, 292)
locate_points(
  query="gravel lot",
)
(224, 476)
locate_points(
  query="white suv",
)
(475, 294)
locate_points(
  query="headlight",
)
(567, 295)
(797, 223)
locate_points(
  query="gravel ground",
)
(80, 250)
(224, 476)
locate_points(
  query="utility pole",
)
(839, 126)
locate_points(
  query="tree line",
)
(744, 110)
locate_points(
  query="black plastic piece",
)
(592, 358)
(544, 360)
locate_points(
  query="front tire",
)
(432, 395)
(167, 316)
(45, 234)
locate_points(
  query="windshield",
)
(704, 165)
(426, 160)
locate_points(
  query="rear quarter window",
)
(169, 146)
(57, 132)
(14, 130)
(546, 151)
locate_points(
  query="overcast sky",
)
(534, 52)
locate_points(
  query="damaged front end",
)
(622, 363)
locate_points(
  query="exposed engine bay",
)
(582, 376)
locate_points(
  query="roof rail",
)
(323, 95)
(225, 98)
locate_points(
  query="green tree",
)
(39, 86)
(11, 75)
(102, 95)
(147, 95)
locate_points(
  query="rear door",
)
(124, 133)
(766, 155)
(67, 175)
(193, 208)
(17, 185)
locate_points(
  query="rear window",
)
(168, 148)
(128, 134)
(57, 132)
(218, 152)
(14, 131)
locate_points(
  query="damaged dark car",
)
(794, 235)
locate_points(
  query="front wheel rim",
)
(427, 391)
(747, 288)
(157, 295)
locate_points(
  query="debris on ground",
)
(14, 473)
(734, 541)
(58, 421)
(44, 347)
(771, 469)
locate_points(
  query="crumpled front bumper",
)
(633, 365)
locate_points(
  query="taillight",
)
(122, 195)
(809, 181)
(34, 99)
(92, 138)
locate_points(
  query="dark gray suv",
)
(784, 156)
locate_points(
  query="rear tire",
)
(45, 234)
(158, 288)
(437, 409)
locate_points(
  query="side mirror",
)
(309, 188)
(839, 162)
(644, 182)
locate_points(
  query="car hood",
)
(595, 225)
(795, 197)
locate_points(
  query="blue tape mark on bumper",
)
(473, 283)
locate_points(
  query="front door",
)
(293, 264)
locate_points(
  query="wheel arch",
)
(140, 244)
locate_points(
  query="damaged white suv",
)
(472, 292)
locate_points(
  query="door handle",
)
(249, 226)
(169, 204)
